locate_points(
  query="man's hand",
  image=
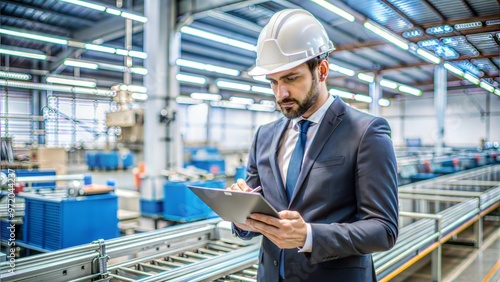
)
(287, 232)
(241, 185)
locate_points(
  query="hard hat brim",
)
(270, 69)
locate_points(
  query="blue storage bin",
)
(127, 160)
(182, 205)
(241, 172)
(215, 166)
(91, 160)
(108, 160)
(53, 223)
(151, 207)
(422, 176)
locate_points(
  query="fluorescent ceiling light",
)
(473, 79)
(261, 108)
(190, 78)
(497, 91)
(86, 4)
(60, 88)
(80, 64)
(453, 69)
(388, 83)
(104, 66)
(227, 104)
(363, 98)
(137, 54)
(113, 11)
(15, 75)
(34, 36)
(427, 55)
(486, 86)
(342, 70)
(264, 90)
(410, 90)
(387, 35)
(384, 102)
(468, 25)
(233, 85)
(139, 70)
(207, 67)
(134, 17)
(241, 100)
(139, 96)
(335, 9)
(187, 100)
(99, 48)
(23, 54)
(109, 10)
(217, 38)
(133, 88)
(341, 94)
(71, 81)
(72, 43)
(268, 103)
(206, 96)
(366, 77)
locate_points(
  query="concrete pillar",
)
(162, 144)
(440, 95)
(376, 94)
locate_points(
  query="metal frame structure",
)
(440, 209)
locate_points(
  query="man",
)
(338, 199)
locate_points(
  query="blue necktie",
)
(296, 160)
(293, 173)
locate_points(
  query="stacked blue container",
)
(182, 205)
(53, 223)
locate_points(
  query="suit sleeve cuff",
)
(241, 233)
(307, 248)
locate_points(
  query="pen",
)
(256, 189)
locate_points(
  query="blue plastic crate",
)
(241, 172)
(91, 160)
(182, 205)
(151, 207)
(53, 223)
(127, 160)
(215, 166)
(108, 160)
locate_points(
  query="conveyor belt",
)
(433, 211)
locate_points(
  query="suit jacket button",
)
(275, 262)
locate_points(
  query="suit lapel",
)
(280, 129)
(332, 118)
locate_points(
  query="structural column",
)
(440, 95)
(162, 146)
(376, 94)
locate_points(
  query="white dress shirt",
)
(287, 145)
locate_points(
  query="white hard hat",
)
(292, 37)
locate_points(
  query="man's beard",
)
(309, 100)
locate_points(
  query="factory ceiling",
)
(464, 34)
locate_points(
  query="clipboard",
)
(234, 206)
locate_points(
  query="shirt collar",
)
(317, 116)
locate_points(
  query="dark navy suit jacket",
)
(346, 190)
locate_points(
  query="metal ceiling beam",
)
(108, 30)
(52, 13)
(37, 25)
(468, 5)
(420, 64)
(434, 10)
